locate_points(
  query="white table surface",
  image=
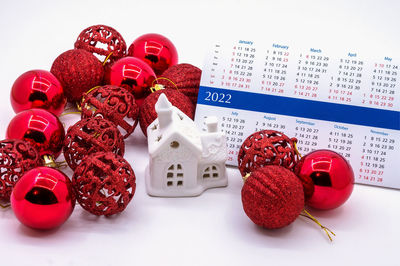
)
(211, 229)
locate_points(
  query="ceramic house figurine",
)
(183, 161)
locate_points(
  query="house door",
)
(174, 176)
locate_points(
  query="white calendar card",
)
(327, 97)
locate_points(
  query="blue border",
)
(334, 112)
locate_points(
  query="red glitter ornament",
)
(148, 113)
(38, 89)
(16, 157)
(94, 38)
(113, 103)
(78, 71)
(39, 127)
(267, 147)
(185, 78)
(132, 74)
(104, 183)
(272, 197)
(332, 177)
(43, 198)
(156, 50)
(89, 136)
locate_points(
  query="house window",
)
(174, 176)
(210, 172)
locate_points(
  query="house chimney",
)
(164, 110)
(212, 124)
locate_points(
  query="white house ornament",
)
(183, 161)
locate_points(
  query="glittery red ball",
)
(185, 78)
(104, 183)
(16, 158)
(89, 136)
(78, 71)
(148, 113)
(102, 40)
(113, 103)
(272, 197)
(264, 148)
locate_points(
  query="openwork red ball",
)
(78, 71)
(113, 103)
(264, 148)
(104, 183)
(16, 157)
(101, 40)
(89, 136)
(185, 78)
(148, 112)
(272, 197)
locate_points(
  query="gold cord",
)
(108, 57)
(161, 78)
(326, 229)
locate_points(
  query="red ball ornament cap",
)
(332, 176)
(104, 183)
(40, 128)
(38, 89)
(43, 198)
(112, 103)
(156, 50)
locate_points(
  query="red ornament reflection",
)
(156, 50)
(41, 128)
(38, 89)
(43, 198)
(133, 74)
(332, 176)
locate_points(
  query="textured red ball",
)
(78, 71)
(185, 78)
(267, 147)
(38, 89)
(156, 50)
(43, 198)
(132, 74)
(39, 127)
(89, 136)
(102, 40)
(104, 183)
(332, 176)
(16, 158)
(113, 103)
(148, 112)
(272, 197)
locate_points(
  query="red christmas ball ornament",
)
(38, 89)
(39, 127)
(148, 112)
(267, 147)
(185, 78)
(112, 103)
(156, 50)
(43, 198)
(78, 71)
(89, 136)
(104, 183)
(103, 41)
(16, 158)
(132, 74)
(272, 197)
(332, 177)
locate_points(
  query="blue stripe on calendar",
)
(334, 112)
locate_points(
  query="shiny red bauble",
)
(43, 198)
(156, 50)
(39, 127)
(38, 89)
(332, 176)
(132, 74)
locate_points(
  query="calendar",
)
(325, 97)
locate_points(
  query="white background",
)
(211, 229)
